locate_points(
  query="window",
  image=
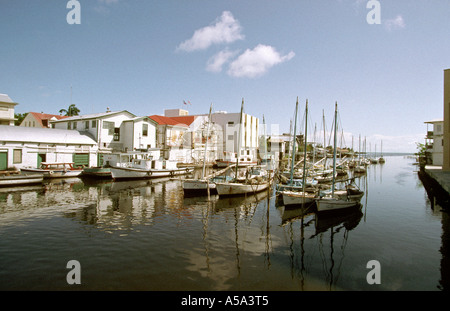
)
(144, 129)
(230, 137)
(231, 123)
(94, 124)
(68, 125)
(117, 134)
(86, 125)
(17, 156)
(74, 125)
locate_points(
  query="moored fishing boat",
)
(97, 172)
(55, 170)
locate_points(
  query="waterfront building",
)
(27, 147)
(7, 110)
(113, 131)
(446, 134)
(36, 119)
(434, 142)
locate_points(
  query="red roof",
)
(45, 116)
(180, 121)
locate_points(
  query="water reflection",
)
(147, 235)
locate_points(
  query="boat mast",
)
(305, 153)
(293, 143)
(206, 143)
(239, 140)
(334, 152)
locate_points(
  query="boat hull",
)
(97, 172)
(228, 189)
(20, 179)
(132, 173)
(297, 198)
(53, 173)
(334, 204)
(193, 187)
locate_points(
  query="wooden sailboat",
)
(256, 180)
(292, 197)
(204, 185)
(337, 201)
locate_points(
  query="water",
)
(144, 235)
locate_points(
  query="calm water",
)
(147, 236)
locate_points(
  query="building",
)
(434, 142)
(28, 147)
(6, 110)
(446, 134)
(36, 119)
(116, 131)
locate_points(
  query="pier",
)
(438, 181)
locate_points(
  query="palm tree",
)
(71, 111)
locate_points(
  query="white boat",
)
(235, 188)
(55, 170)
(297, 197)
(20, 178)
(337, 201)
(140, 168)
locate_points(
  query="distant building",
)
(434, 142)
(36, 119)
(6, 110)
(28, 147)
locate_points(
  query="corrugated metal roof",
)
(44, 135)
(94, 116)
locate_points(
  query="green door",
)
(41, 157)
(3, 160)
(80, 159)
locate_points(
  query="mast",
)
(206, 143)
(305, 153)
(239, 140)
(334, 152)
(293, 143)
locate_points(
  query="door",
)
(41, 157)
(3, 160)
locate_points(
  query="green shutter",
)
(80, 159)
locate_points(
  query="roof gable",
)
(162, 120)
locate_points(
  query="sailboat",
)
(205, 185)
(256, 180)
(293, 197)
(381, 159)
(338, 201)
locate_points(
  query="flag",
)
(188, 102)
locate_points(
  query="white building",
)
(118, 131)
(28, 147)
(6, 110)
(435, 141)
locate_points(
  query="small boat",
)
(97, 172)
(237, 188)
(55, 170)
(297, 197)
(20, 178)
(140, 168)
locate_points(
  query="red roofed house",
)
(36, 119)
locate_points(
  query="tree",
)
(71, 111)
(19, 117)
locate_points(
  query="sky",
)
(383, 65)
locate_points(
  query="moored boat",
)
(55, 170)
(97, 172)
(21, 178)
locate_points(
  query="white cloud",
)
(394, 23)
(216, 62)
(226, 29)
(256, 62)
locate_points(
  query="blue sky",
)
(146, 56)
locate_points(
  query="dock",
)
(439, 180)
